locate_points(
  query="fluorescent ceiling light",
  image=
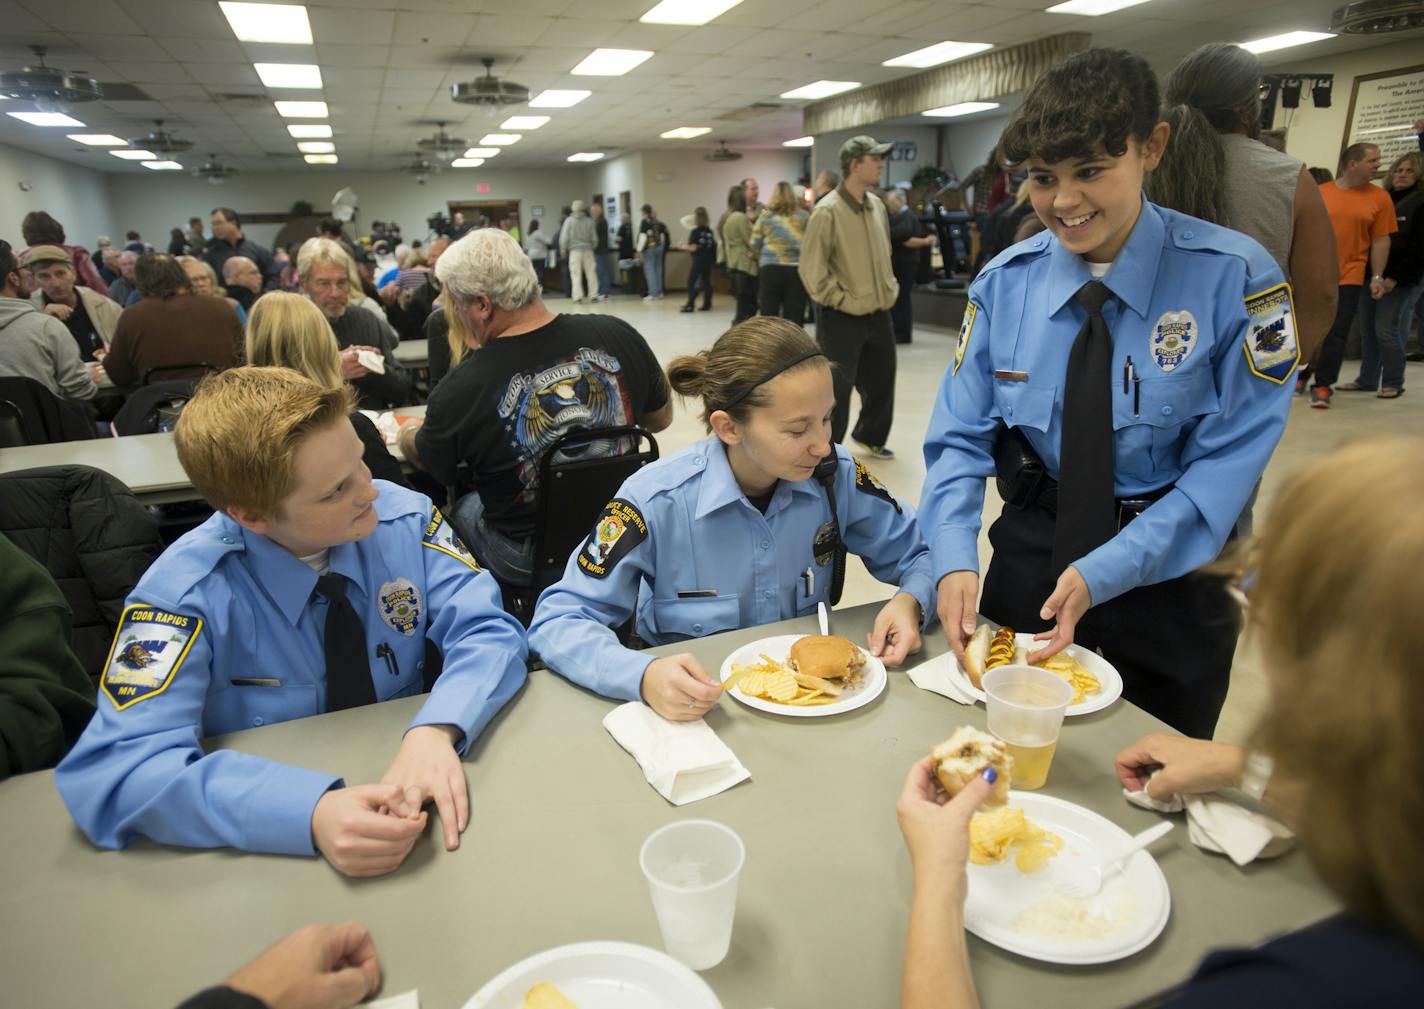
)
(557, 99)
(1286, 41)
(45, 118)
(163, 166)
(821, 89)
(301, 110)
(800, 142)
(98, 139)
(940, 52)
(588, 155)
(1092, 8)
(268, 23)
(962, 109)
(467, 162)
(501, 139)
(482, 152)
(314, 131)
(289, 75)
(610, 62)
(523, 122)
(320, 159)
(134, 155)
(687, 12)
(316, 147)
(685, 132)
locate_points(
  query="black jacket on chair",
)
(93, 536)
(45, 418)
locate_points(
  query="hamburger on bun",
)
(960, 758)
(826, 656)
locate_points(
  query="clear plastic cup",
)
(1026, 706)
(692, 868)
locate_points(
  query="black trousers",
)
(900, 313)
(1331, 354)
(782, 293)
(1173, 642)
(744, 287)
(862, 347)
(700, 279)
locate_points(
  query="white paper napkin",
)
(937, 675)
(683, 761)
(371, 361)
(405, 1000)
(1217, 822)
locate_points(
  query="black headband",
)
(768, 377)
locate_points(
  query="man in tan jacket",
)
(845, 265)
(89, 316)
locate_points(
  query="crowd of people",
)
(1128, 464)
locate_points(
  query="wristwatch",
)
(1376, 279)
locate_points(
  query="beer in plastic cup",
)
(1026, 706)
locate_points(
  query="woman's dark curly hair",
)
(1101, 97)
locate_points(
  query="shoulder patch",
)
(864, 481)
(441, 535)
(1272, 350)
(149, 647)
(619, 529)
(966, 329)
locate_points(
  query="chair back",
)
(12, 425)
(154, 407)
(42, 417)
(176, 372)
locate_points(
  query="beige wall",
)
(676, 181)
(77, 198)
(1316, 135)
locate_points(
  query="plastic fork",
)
(1086, 879)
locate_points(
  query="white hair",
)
(895, 197)
(489, 262)
(322, 250)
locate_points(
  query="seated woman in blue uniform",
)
(1127, 376)
(1340, 727)
(311, 589)
(737, 530)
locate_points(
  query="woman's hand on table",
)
(1187, 766)
(936, 827)
(679, 689)
(316, 967)
(896, 633)
(367, 830)
(427, 761)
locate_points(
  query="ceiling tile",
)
(418, 28)
(342, 27)
(179, 20)
(228, 74)
(84, 16)
(122, 48)
(369, 57)
(193, 50)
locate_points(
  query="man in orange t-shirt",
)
(1363, 215)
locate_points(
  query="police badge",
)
(1173, 339)
(399, 603)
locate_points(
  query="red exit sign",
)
(483, 187)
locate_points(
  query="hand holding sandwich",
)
(936, 827)
(679, 689)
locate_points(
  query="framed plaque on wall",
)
(1383, 110)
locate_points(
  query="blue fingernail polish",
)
(989, 774)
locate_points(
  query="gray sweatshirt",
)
(579, 233)
(38, 346)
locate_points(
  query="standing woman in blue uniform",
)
(1126, 377)
(737, 530)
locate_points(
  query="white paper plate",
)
(601, 975)
(1108, 677)
(779, 648)
(1137, 897)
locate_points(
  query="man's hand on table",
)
(427, 761)
(367, 830)
(316, 967)
(679, 689)
(896, 633)
(958, 594)
(1069, 601)
(1188, 766)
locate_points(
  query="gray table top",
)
(558, 812)
(413, 353)
(146, 463)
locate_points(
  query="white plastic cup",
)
(692, 868)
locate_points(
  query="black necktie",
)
(348, 671)
(1087, 513)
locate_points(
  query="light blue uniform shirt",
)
(702, 534)
(224, 605)
(1206, 317)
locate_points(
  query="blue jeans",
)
(605, 282)
(510, 561)
(653, 270)
(1384, 329)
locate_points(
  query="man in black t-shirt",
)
(89, 316)
(533, 377)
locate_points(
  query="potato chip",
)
(993, 833)
(1078, 677)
